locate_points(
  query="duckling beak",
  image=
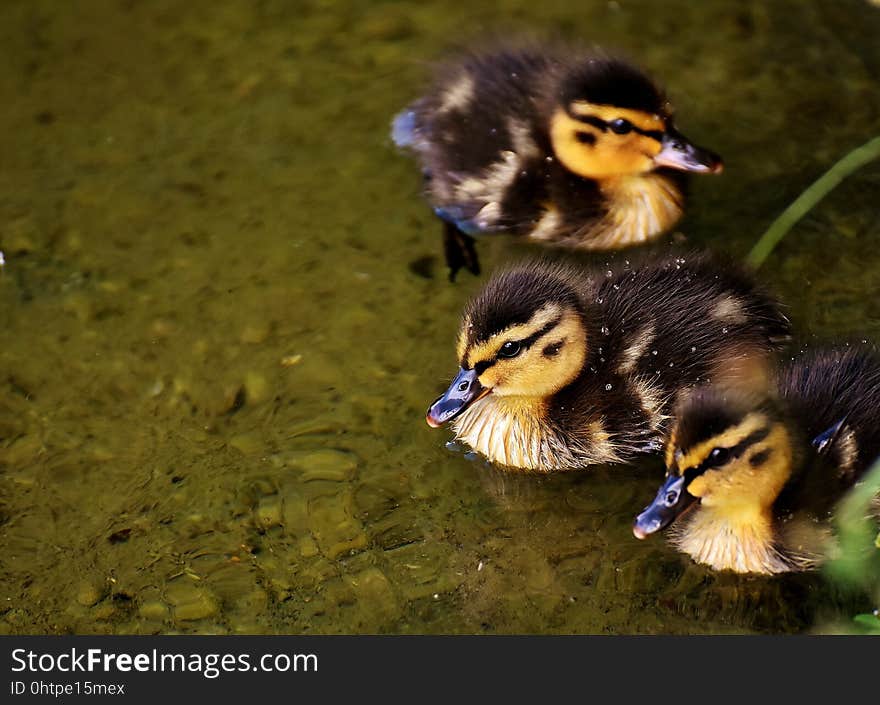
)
(677, 152)
(671, 500)
(464, 391)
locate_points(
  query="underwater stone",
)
(269, 512)
(154, 609)
(247, 443)
(333, 526)
(191, 603)
(256, 387)
(201, 608)
(105, 610)
(375, 596)
(89, 593)
(308, 548)
(295, 513)
(325, 464)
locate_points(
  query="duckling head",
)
(524, 335)
(610, 120)
(726, 453)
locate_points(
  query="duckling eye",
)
(719, 456)
(511, 348)
(620, 126)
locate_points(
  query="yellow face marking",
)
(605, 154)
(487, 350)
(550, 362)
(532, 373)
(639, 118)
(739, 491)
(692, 457)
(463, 336)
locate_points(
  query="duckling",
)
(563, 367)
(751, 479)
(566, 147)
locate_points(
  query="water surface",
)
(216, 350)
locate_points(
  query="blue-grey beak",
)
(677, 152)
(464, 391)
(671, 500)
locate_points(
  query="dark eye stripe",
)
(601, 124)
(526, 343)
(732, 452)
(592, 120)
(481, 367)
(653, 134)
(760, 457)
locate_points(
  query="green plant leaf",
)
(868, 620)
(814, 193)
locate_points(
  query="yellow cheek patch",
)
(642, 120)
(741, 490)
(700, 486)
(727, 439)
(606, 155)
(644, 145)
(461, 347)
(534, 374)
(487, 350)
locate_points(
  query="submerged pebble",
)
(256, 387)
(375, 596)
(295, 513)
(323, 464)
(190, 602)
(247, 443)
(90, 592)
(269, 512)
(153, 609)
(334, 527)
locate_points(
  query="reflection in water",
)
(220, 324)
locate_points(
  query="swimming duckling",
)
(563, 367)
(751, 481)
(566, 147)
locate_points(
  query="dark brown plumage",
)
(564, 367)
(766, 467)
(559, 145)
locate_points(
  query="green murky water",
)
(215, 357)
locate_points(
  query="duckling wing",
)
(480, 139)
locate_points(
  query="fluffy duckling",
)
(562, 367)
(751, 481)
(567, 147)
